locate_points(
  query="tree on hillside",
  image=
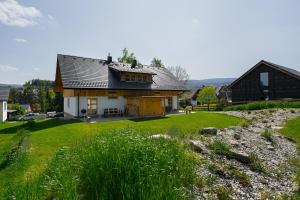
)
(207, 95)
(15, 95)
(28, 94)
(156, 62)
(126, 57)
(180, 73)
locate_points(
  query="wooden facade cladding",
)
(125, 93)
(281, 85)
(145, 106)
(136, 77)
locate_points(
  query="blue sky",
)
(212, 38)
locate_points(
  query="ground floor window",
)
(92, 106)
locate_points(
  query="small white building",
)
(4, 93)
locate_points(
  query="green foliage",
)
(292, 130)
(223, 193)
(184, 99)
(267, 134)
(39, 94)
(220, 147)
(239, 175)
(256, 164)
(20, 110)
(207, 95)
(126, 57)
(263, 105)
(156, 62)
(118, 165)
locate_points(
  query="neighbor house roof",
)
(4, 93)
(281, 68)
(26, 106)
(80, 72)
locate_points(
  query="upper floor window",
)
(264, 79)
(132, 78)
(127, 77)
(136, 78)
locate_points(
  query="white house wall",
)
(3, 111)
(175, 103)
(105, 102)
(70, 109)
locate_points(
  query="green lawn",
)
(292, 130)
(46, 137)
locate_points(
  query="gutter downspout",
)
(78, 105)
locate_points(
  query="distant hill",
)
(213, 81)
(11, 85)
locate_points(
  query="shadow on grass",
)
(39, 125)
(142, 119)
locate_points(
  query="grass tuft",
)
(122, 165)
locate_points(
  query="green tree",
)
(50, 96)
(15, 95)
(126, 57)
(156, 62)
(42, 99)
(20, 110)
(28, 94)
(207, 95)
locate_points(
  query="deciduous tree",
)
(207, 95)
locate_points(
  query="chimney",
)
(109, 58)
(133, 64)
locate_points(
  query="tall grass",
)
(120, 165)
(263, 105)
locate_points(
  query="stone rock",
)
(235, 128)
(237, 136)
(158, 136)
(239, 156)
(270, 147)
(233, 142)
(198, 147)
(209, 131)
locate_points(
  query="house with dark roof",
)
(266, 81)
(105, 87)
(27, 108)
(4, 94)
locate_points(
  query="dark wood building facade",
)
(266, 81)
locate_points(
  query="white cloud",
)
(51, 17)
(36, 69)
(7, 68)
(21, 40)
(14, 14)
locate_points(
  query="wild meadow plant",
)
(118, 165)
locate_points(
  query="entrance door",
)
(92, 106)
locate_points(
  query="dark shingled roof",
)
(4, 93)
(283, 69)
(79, 72)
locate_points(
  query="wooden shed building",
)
(105, 87)
(266, 81)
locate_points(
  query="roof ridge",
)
(81, 57)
